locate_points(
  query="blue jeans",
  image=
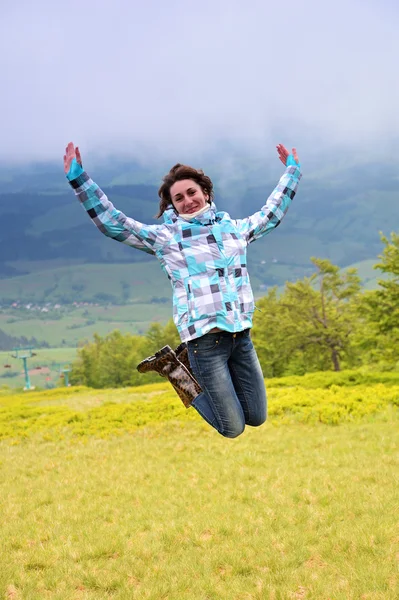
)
(228, 370)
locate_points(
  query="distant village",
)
(47, 306)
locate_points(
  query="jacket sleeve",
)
(271, 214)
(110, 221)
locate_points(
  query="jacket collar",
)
(207, 217)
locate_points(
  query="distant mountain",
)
(337, 214)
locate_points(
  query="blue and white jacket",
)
(204, 259)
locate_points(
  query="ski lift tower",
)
(65, 368)
(23, 354)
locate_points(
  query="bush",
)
(111, 361)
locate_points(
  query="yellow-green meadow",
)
(125, 494)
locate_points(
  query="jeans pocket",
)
(206, 343)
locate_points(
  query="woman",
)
(203, 252)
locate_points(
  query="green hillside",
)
(72, 325)
(368, 274)
(89, 282)
(114, 283)
(138, 283)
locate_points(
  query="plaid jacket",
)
(204, 259)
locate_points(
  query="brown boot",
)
(182, 354)
(156, 362)
(167, 365)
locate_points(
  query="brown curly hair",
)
(178, 173)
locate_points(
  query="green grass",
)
(330, 379)
(127, 495)
(82, 412)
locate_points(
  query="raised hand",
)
(70, 153)
(283, 154)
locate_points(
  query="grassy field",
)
(124, 494)
(78, 324)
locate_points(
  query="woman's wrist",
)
(75, 170)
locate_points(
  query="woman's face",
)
(187, 196)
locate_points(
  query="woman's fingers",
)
(283, 154)
(78, 156)
(69, 156)
(282, 151)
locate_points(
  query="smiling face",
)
(187, 196)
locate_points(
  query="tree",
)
(111, 361)
(310, 326)
(159, 336)
(385, 302)
(269, 337)
(379, 310)
(321, 310)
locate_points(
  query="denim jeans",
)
(228, 370)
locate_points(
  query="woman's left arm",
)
(276, 206)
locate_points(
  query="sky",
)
(156, 78)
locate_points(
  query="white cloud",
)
(161, 77)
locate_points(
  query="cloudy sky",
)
(161, 76)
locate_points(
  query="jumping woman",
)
(203, 253)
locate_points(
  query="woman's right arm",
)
(110, 221)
